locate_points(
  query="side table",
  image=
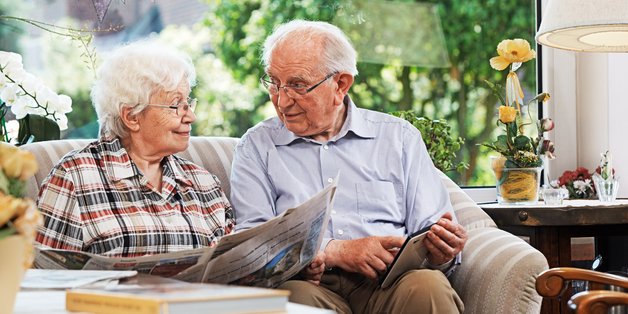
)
(551, 227)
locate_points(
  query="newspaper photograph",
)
(263, 256)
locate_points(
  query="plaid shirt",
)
(96, 200)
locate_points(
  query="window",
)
(430, 57)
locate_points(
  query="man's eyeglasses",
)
(181, 107)
(292, 90)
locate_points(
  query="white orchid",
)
(27, 94)
(10, 62)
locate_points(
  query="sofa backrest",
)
(216, 154)
(213, 153)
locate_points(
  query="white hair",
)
(338, 54)
(130, 75)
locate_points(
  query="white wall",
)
(590, 107)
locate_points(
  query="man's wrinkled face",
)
(315, 114)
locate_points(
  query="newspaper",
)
(263, 256)
(67, 279)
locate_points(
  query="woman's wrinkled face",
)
(166, 131)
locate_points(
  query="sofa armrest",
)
(498, 273)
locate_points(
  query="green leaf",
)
(502, 143)
(7, 230)
(512, 127)
(16, 187)
(522, 142)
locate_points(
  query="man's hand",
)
(445, 240)
(368, 256)
(314, 271)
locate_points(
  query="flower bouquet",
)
(518, 166)
(578, 183)
(19, 220)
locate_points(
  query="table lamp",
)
(585, 25)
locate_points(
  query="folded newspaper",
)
(264, 256)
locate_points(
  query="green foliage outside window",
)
(441, 144)
(226, 49)
(455, 94)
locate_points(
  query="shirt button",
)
(330, 180)
(340, 231)
(325, 146)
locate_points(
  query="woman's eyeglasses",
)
(181, 107)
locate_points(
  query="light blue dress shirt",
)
(388, 184)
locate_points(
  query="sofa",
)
(498, 271)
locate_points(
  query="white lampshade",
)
(585, 25)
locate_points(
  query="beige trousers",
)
(417, 291)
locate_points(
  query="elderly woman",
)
(127, 194)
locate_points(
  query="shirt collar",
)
(178, 172)
(355, 123)
(118, 165)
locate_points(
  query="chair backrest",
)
(213, 153)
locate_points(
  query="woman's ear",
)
(345, 80)
(129, 119)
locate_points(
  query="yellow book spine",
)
(98, 303)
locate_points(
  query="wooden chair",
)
(553, 283)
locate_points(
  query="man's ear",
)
(344, 83)
(129, 119)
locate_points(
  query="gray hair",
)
(130, 75)
(338, 53)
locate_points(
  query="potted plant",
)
(441, 144)
(19, 219)
(518, 166)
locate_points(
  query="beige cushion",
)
(498, 271)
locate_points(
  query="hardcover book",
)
(173, 298)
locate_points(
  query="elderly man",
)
(388, 186)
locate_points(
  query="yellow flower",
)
(511, 51)
(27, 223)
(507, 114)
(11, 207)
(17, 163)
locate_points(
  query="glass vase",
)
(606, 188)
(517, 186)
